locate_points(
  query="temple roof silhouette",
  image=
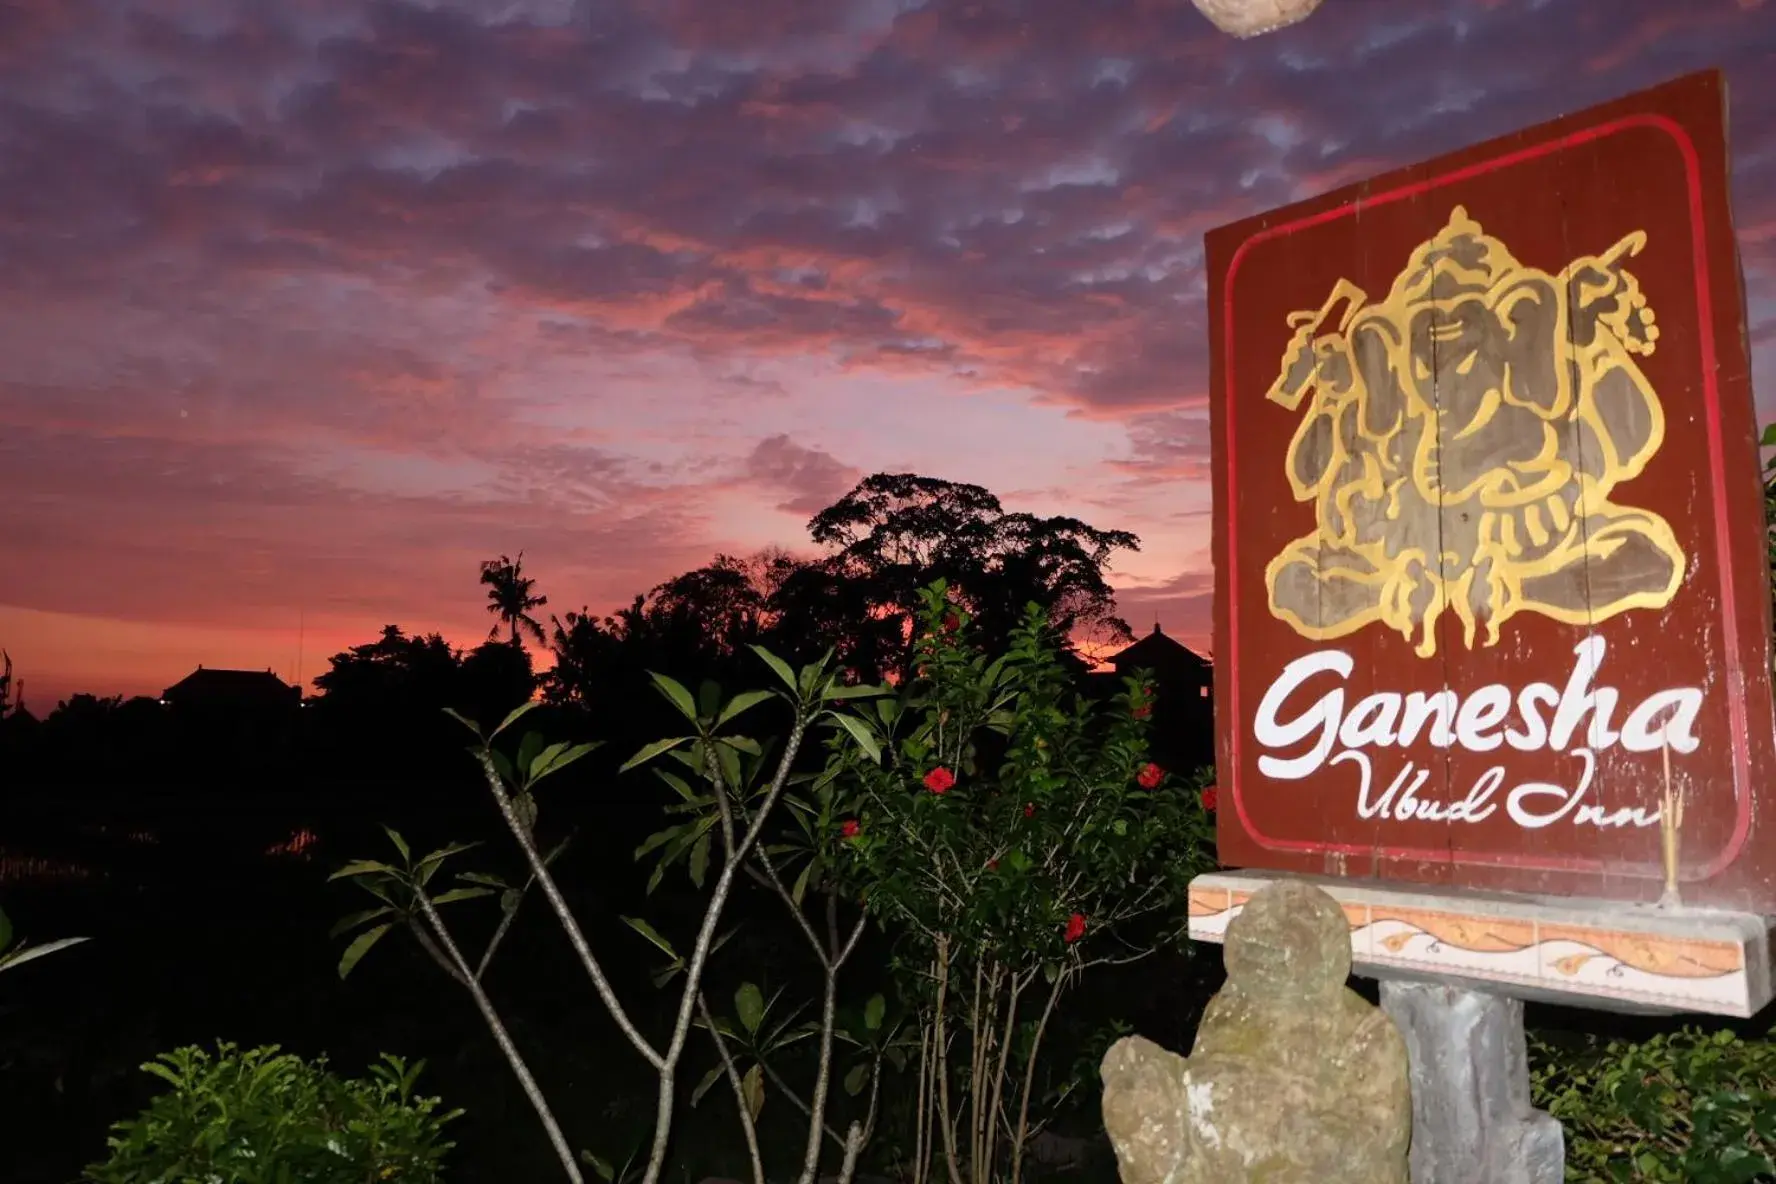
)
(1158, 652)
(212, 684)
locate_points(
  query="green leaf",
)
(743, 702)
(861, 691)
(753, 1087)
(652, 934)
(517, 713)
(661, 838)
(709, 699)
(465, 721)
(503, 767)
(873, 1011)
(541, 761)
(861, 734)
(346, 924)
(749, 1004)
(779, 666)
(363, 867)
(665, 975)
(676, 695)
(679, 785)
(651, 751)
(528, 748)
(856, 1079)
(456, 894)
(700, 860)
(800, 889)
(709, 1079)
(5, 931)
(359, 947)
(431, 861)
(741, 744)
(556, 758)
(400, 843)
(482, 878)
(728, 757)
(603, 1169)
(28, 953)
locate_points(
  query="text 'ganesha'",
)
(1461, 444)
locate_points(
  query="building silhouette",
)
(243, 709)
(1183, 736)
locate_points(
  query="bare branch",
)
(500, 1036)
(1023, 1131)
(747, 1124)
(942, 1065)
(571, 926)
(667, 1064)
(432, 951)
(713, 774)
(795, 1100)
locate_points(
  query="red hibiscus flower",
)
(939, 780)
(1210, 798)
(951, 622)
(1149, 776)
(992, 865)
(1143, 711)
(1029, 810)
(1075, 928)
(850, 829)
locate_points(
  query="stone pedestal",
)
(1472, 1121)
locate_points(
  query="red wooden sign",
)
(1493, 606)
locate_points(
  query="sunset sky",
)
(308, 306)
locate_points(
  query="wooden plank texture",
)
(1492, 596)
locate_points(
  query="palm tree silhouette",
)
(509, 599)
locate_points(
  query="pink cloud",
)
(309, 307)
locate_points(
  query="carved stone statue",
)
(1294, 1078)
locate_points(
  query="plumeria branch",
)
(459, 968)
(570, 925)
(731, 1071)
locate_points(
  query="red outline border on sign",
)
(1735, 680)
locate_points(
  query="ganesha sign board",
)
(1492, 605)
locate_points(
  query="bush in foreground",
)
(1691, 1107)
(260, 1116)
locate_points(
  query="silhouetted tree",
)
(897, 532)
(697, 625)
(723, 603)
(496, 676)
(890, 536)
(510, 599)
(392, 672)
(587, 652)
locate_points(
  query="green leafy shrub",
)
(264, 1117)
(1011, 834)
(1691, 1106)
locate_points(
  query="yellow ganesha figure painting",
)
(1461, 442)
